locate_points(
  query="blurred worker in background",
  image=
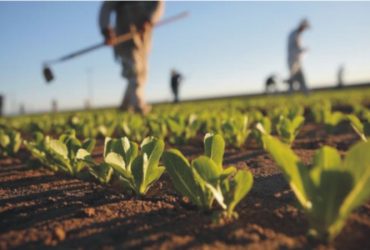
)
(22, 109)
(340, 76)
(176, 79)
(137, 17)
(54, 106)
(295, 51)
(271, 84)
(1, 105)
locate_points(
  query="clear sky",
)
(222, 48)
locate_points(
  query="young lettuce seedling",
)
(158, 127)
(193, 126)
(138, 171)
(37, 149)
(236, 131)
(83, 125)
(332, 120)
(134, 127)
(100, 171)
(72, 145)
(265, 124)
(183, 128)
(330, 190)
(60, 155)
(288, 129)
(319, 111)
(176, 125)
(10, 141)
(294, 111)
(205, 180)
(103, 171)
(322, 113)
(291, 112)
(106, 130)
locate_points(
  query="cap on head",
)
(304, 24)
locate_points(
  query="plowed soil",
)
(41, 210)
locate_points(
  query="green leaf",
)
(72, 144)
(154, 149)
(130, 149)
(326, 158)
(214, 147)
(57, 154)
(142, 176)
(207, 169)
(288, 129)
(16, 141)
(154, 175)
(102, 172)
(113, 145)
(89, 144)
(293, 170)
(59, 148)
(240, 186)
(331, 188)
(175, 127)
(178, 167)
(297, 122)
(331, 184)
(226, 173)
(217, 194)
(113, 158)
(84, 155)
(139, 171)
(36, 152)
(4, 140)
(266, 123)
(39, 137)
(116, 161)
(357, 163)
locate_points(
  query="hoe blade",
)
(48, 74)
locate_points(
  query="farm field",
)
(60, 193)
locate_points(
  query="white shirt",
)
(295, 49)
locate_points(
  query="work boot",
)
(143, 110)
(131, 109)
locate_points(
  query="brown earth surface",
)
(41, 210)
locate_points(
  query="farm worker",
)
(340, 76)
(1, 105)
(270, 84)
(295, 51)
(176, 78)
(137, 17)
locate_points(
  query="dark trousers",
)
(175, 92)
(299, 78)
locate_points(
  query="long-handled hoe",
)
(48, 74)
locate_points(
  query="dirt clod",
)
(60, 233)
(89, 211)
